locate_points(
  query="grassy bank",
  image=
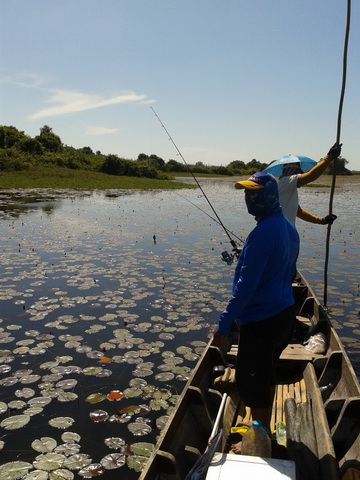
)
(80, 179)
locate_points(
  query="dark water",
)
(109, 298)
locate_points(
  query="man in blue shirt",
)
(262, 300)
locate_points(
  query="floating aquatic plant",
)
(136, 462)
(113, 461)
(14, 470)
(95, 398)
(61, 422)
(99, 416)
(142, 448)
(77, 461)
(139, 428)
(115, 443)
(44, 444)
(15, 422)
(49, 461)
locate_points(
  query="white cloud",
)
(90, 131)
(65, 102)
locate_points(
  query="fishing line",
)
(341, 102)
(241, 240)
(233, 243)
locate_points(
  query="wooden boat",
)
(317, 397)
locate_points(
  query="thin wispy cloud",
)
(21, 79)
(91, 131)
(64, 102)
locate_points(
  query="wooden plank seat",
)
(295, 350)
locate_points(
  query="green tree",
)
(199, 167)
(237, 166)
(156, 162)
(113, 165)
(174, 166)
(10, 136)
(221, 170)
(340, 167)
(152, 160)
(87, 150)
(29, 145)
(49, 140)
(142, 157)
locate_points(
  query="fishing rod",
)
(228, 258)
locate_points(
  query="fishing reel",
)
(230, 257)
(227, 257)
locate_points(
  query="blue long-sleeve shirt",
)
(262, 285)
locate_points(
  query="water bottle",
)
(281, 434)
(256, 441)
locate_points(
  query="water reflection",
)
(13, 203)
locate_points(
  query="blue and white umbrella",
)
(276, 167)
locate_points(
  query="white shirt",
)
(288, 196)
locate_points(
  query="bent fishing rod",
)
(228, 258)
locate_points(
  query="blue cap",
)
(257, 180)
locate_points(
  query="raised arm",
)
(320, 168)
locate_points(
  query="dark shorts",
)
(260, 346)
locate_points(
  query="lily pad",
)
(77, 461)
(70, 437)
(164, 377)
(113, 461)
(139, 429)
(3, 407)
(37, 475)
(49, 461)
(95, 398)
(15, 422)
(14, 470)
(114, 443)
(91, 471)
(60, 474)
(61, 422)
(136, 462)
(142, 448)
(98, 416)
(44, 444)
(25, 393)
(162, 421)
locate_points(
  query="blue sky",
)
(230, 80)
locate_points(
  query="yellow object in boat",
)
(242, 429)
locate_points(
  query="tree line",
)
(19, 151)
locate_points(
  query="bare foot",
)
(236, 448)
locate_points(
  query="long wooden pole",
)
(342, 95)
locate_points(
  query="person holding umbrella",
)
(294, 172)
